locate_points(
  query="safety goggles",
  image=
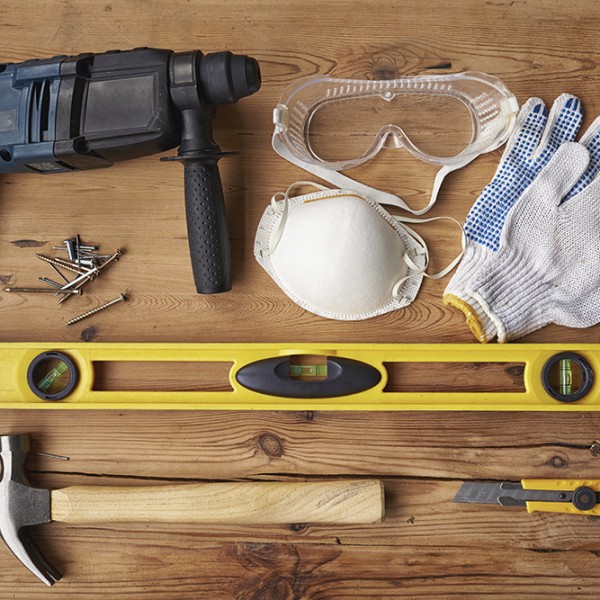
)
(326, 125)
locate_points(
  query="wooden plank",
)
(139, 565)
(229, 445)
(139, 205)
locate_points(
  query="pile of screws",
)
(85, 262)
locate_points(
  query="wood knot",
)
(385, 71)
(298, 527)
(273, 558)
(595, 449)
(278, 586)
(257, 553)
(271, 445)
(88, 334)
(28, 243)
(516, 370)
(558, 462)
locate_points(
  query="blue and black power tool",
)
(83, 112)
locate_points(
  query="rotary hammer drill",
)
(91, 110)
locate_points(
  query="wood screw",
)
(90, 313)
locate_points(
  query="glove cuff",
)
(475, 256)
(475, 318)
(515, 297)
(473, 259)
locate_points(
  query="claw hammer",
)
(242, 503)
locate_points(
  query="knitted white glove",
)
(537, 136)
(547, 269)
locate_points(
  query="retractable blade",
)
(537, 495)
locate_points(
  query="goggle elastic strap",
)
(343, 182)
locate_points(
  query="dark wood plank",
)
(186, 567)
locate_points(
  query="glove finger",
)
(529, 126)
(563, 124)
(486, 218)
(587, 199)
(557, 178)
(591, 140)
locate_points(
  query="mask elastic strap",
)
(421, 271)
(343, 182)
(285, 196)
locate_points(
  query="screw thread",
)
(94, 311)
(58, 263)
(114, 257)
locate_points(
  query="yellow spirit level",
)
(295, 376)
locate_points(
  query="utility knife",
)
(580, 497)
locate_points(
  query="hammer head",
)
(22, 505)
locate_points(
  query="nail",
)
(50, 282)
(116, 256)
(59, 262)
(59, 272)
(52, 455)
(27, 290)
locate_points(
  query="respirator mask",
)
(341, 255)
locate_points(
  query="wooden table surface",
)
(427, 547)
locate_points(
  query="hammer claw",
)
(29, 554)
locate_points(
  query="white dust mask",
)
(340, 254)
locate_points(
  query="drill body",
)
(91, 110)
(86, 111)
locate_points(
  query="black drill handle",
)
(208, 234)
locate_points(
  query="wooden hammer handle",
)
(244, 503)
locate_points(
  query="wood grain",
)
(238, 444)
(188, 567)
(427, 547)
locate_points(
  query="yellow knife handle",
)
(566, 485)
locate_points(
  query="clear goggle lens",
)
(351, 128)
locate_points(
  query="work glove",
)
(535, 139)
(547, 266)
